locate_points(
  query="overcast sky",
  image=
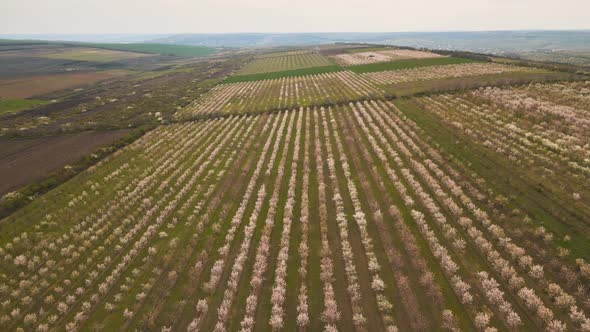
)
(179, 16)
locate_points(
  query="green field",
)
(407, 64)
(15, 105)
(163, 49)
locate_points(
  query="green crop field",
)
(15, 105)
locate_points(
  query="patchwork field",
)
(259, 96)
(361, 58)
(289, 61)
(320, 202)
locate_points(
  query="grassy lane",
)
(339, 282)
(293, 279)
(315, 299)
(281, 176)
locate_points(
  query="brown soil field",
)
(23, 161)
(25, 87)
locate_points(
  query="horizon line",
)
(287, 32)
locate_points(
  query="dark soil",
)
(23, 161)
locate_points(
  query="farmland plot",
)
(288, 92)
(340, 218)
(291, 61)
(362, 58)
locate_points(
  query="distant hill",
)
(270, 39)
(481, 41)
(495, 41)
(571, 47)
(89, 38)
(568, 46)
(152, 48)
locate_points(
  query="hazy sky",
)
(174, 16)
